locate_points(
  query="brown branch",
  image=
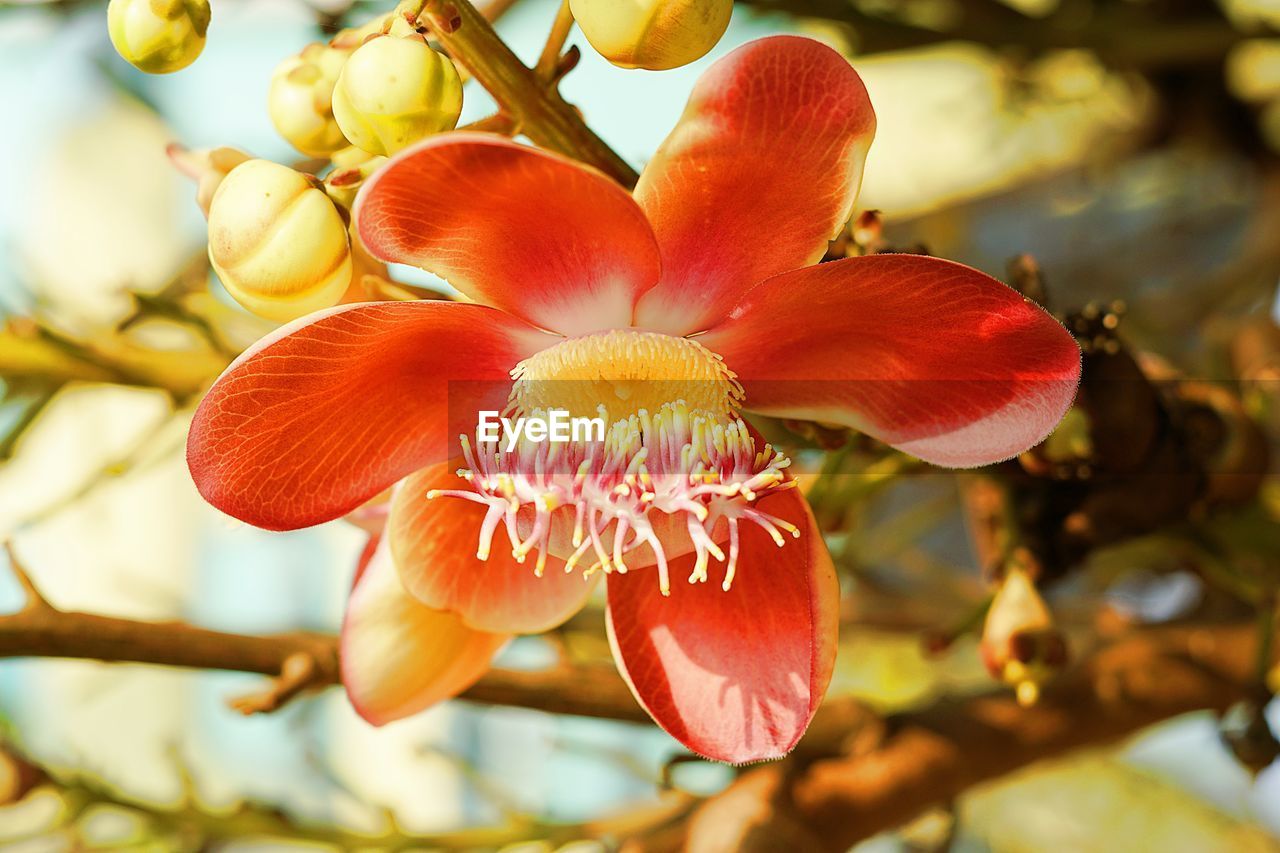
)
(883, 775)
(533, 104)
(297, 662)
(855, 774)
(33, 599)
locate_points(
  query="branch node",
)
(35, 600)
(298, 672)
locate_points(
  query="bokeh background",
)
(1134, 157)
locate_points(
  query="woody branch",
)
(856, 772)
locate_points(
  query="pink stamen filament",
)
(703, 466)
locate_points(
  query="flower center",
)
(675, 464)
(676, 469)
(624, 370)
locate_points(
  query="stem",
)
(296, 662)
(1266, 638)
(49, 357)
(537, 109)
(496, 123)
(560, 28)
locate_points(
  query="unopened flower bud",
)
(1020, 645)
(158, 36)
(653, 34)
(349, 174)
(393, 92)
(277, 242)
(300, 99)
(207, 167)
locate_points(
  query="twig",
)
(190, 819)
(297, 662)
(495, 9)
(44, 355)
(31, 409)
(298, 672)
(535, 106)
(32, 597)
(550, 58)
(497, 123)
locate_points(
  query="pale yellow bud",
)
(158, 36)
(653, 34)
(300, 99)
(277, 242)
(393, 92)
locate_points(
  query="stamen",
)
(676, 460)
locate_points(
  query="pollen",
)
(625, 371)
(702, 469)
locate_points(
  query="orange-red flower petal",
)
(937, 359)
(521, 229)
(316, 419)
(435, 541)
(735, 676)
(760, 173)
(399, 656)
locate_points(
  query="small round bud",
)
(393, 92)
(652, 34)
(277, 242)
(300, 99)
(158, 36)
(351, 168)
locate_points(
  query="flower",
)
(653, 34)
(591, 298)
(158, 36)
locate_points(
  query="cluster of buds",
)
(1020, 644)
(379, 88)
(279, 238)
(158, 36)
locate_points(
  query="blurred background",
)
(1116, 158)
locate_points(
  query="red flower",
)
(592, 296)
